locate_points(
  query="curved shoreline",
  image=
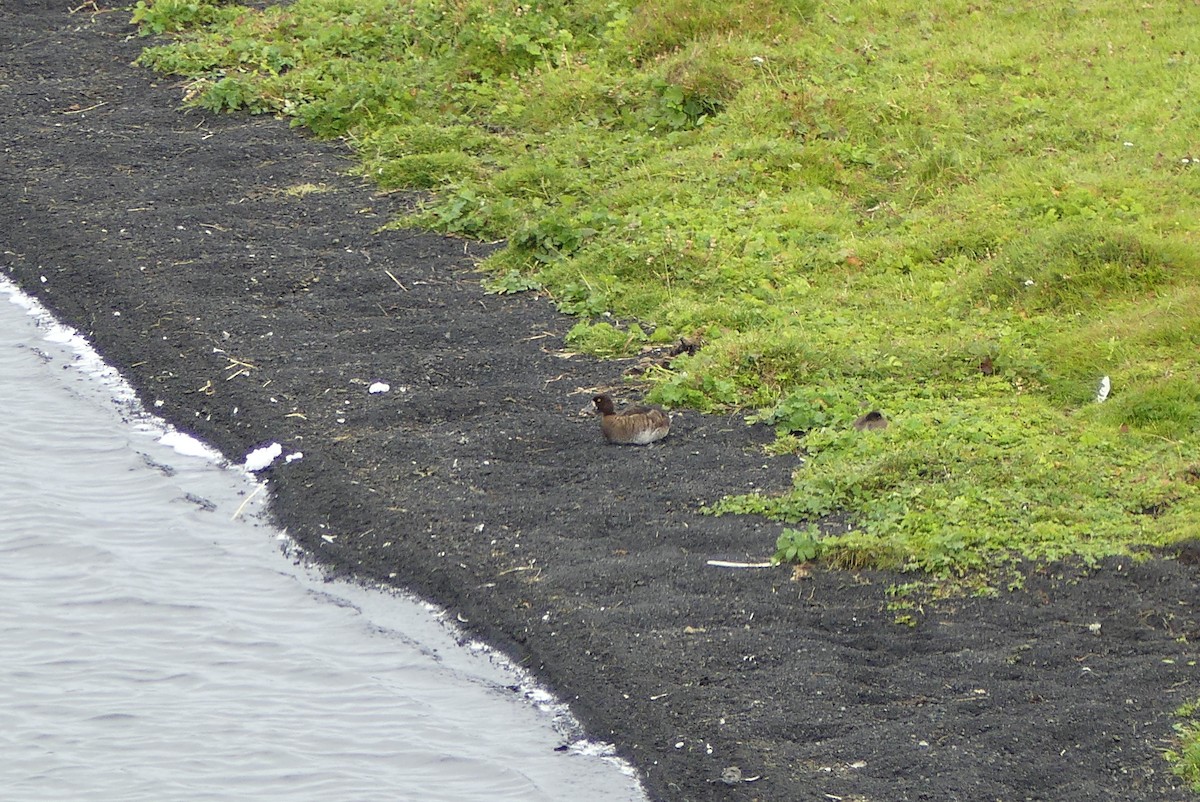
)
(194, 253)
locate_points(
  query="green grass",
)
(1185, 760)
(855, 205)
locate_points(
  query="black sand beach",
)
(235, 273)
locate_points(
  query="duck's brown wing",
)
(652, 411)
(636, 426)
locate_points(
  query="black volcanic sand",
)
(178, 243)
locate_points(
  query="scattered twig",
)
(89, 108)
(393, 278)
(242, 506)
(530, 567)
(242, 368)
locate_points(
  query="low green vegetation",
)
(962, 215)
(1185, 759)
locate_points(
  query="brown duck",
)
(634, 426)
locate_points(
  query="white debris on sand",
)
(261, 458)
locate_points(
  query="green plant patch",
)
(856, 208)
(424, 170)
(605, 339)
(510, 283)
(798, 545)
(1185, 756)
(172, 16)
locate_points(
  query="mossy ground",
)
(964, 216)
(1186, 758)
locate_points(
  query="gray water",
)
(156, 643)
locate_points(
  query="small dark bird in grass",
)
(635, 426)
(872, 420)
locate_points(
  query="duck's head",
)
(604, 404)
